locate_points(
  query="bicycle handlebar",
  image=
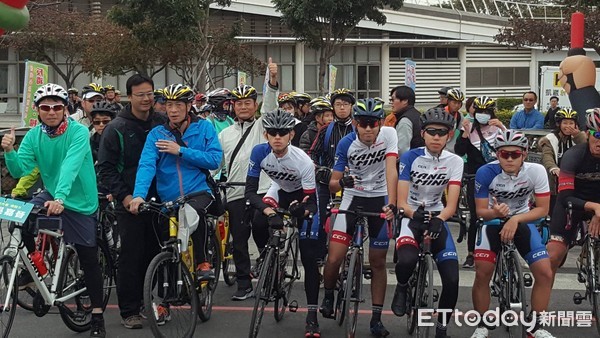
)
(169, 205)
(359, 213)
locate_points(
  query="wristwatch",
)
(60, 201)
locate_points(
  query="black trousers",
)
(140, 236)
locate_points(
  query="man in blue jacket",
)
(178, 154)
(529, 117)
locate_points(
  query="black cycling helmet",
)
(218, 97)
(320, 105)
(104, 108)
(437, 115)
(370, 107)
(444, 90)
(278, 119)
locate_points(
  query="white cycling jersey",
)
(515, 191)
(428, 176)
(366, 163)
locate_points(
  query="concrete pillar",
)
(385, 70)
(462, 56)
(13, 105)
(299, 67)
(534, 72)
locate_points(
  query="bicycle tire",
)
(229, 271)
(76, 317)
(353, 292)
(25, 296)
(411, 299)
(426, 301)
(207, 288)
(163, 266)
(516, 293)
(287, 274)
(7, 317)
(340, 305)
(595, 288)
(263, 292)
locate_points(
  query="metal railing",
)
(502, 8)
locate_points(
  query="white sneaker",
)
(540, 333)
(480, 332)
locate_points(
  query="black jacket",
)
(307, 139)
(475, 159)
(120, 150)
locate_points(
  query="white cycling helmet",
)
(50, 90)
(509, 137)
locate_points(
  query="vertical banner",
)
(410, 76)
(242, 78)
(36, 74)
(332, 75)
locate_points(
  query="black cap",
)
(444, 90)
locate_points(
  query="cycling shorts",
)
(558, 224)
(527, 241)
(442, 248)
(343, 228)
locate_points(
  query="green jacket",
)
(65, 165)
(25, 183)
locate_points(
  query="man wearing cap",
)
(74, 100)
(159, 102)
(118, 96)
(109, 96)
(92, 93)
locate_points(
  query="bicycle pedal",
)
(368, 273)
(293, 306)
(578, 298)
(527, 280)
(581, 277)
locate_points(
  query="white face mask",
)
(482, 118)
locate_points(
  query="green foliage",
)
(505, 116)
(505, 103)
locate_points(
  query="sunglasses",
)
(528, 100)
(505, 154)
(595, 133)
(280, 132)
(437, 132)
(97, 123)
(49, 107)
(364, 123)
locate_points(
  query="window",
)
(497, 76)
(425, 53)
(3, 79)
(429, 53)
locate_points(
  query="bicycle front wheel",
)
(353, 292)
(170, 297)
(207, 288)
(340, 304)
(515, 291)
(229, 271)
(424, 294)
(7, 310)
(287, 274)
(595, 287)
(263, 291)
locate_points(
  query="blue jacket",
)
(533, 120)
(178, 175)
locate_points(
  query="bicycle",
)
(278, 273)
(350, 280)
(588, 267)
(420, 292)
(170, 283)
(66, 289)
(463, 215)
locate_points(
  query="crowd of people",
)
(294, 154)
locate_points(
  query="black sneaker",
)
(25, 280)
(97, 327)
(399, 301)
(378, 330)
(469, 262)
(312, 330)
(326, 308)
(243, 294)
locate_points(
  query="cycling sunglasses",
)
(595, 133)
(280, 132)
(48, 107)
(366, 122)
(505, 154)
(437, 132)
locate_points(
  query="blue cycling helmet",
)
(372, 108)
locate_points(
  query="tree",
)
(74, 35)
(324, 25)
(553, 35)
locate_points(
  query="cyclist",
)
(370, 154)
(566, 134)
(292, 188)
(102, 113)
(60, 149)
(237, 142)
(219, 105)
(405, 118)
(287, 102)
(110, 97)
(184, 148)
(92, 93)
(455, 98)
(74, 100)
(477, 141)
(443, 94)
(159, 101)
(502, 190)
(323, 149)
(425, 173)
(578, 183)
(303, 116)
(322, 112)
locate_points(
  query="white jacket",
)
(229, 138)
